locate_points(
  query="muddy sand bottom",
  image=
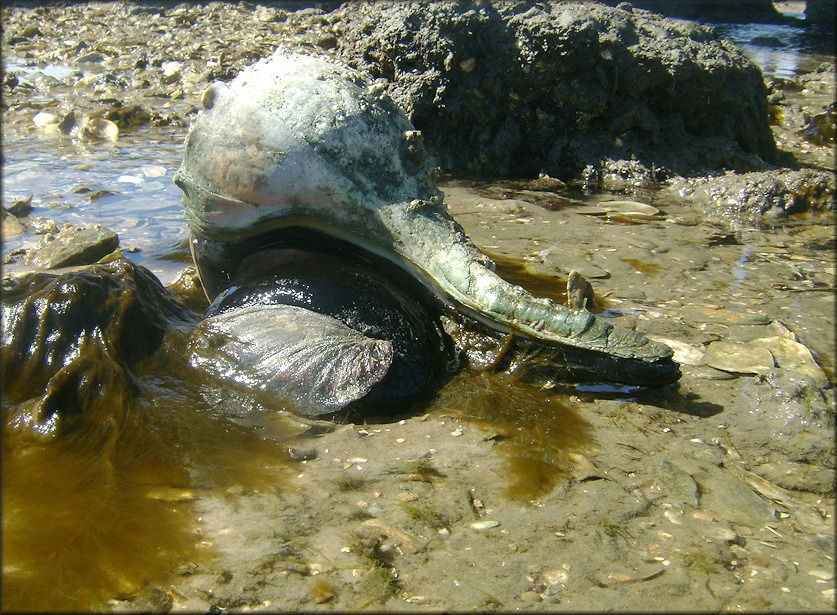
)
(716, 494)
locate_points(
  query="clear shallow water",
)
(780, 50)
(63, 174)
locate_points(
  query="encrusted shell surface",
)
(297, 140)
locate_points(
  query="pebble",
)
(93, 57)
(99, 129)
(153, 170)
(530, 597)
(98, 194)
(44, 119)
(556, 577)
(11, 226)
(375, 509)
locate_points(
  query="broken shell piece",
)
(629, 208)
(738, 358)
(685, 354)
(485, 525)
(579, 292)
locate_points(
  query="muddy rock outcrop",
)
(760, 198)
(519, 88)
(821, 13)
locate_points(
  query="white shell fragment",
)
(626, 209)
(481, 526)
(629, 207)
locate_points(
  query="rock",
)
(768, 41)
(530, 596)
(700, 313)
(44, 119)
(99, 129)
(152, 600)
(21, 207)
(752, 199)
(822, 128)
(68, 123)
(41, 225)
(98, 194)
(821, 14)
(30, 31)
(93, 57)
(814, 478)
(753, 11)
(791, 355)
(74, 245)
(785, 411)
(11, 225)
(130, 116)
(733, 500)
(520, 88)
(50, 321)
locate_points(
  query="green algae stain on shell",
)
(351, 165)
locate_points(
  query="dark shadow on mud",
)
(680, 401)
(670, 397)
